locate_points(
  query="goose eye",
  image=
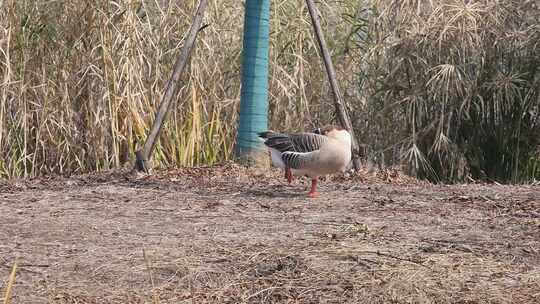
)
(317, 131)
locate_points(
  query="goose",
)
(325, 151)
(287, 142)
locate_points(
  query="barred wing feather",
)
(297, 160)
(298, 142)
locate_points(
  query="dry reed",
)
(81, 81)
(449, 89)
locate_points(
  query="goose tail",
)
(268, 137)
(265, 135)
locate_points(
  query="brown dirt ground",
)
(226, 234)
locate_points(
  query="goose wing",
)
(296, 142)
(298, 160)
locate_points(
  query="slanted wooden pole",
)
(341, 111)
(171, 90)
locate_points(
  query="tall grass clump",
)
(449, 89)
(452, 88)
(81, 80)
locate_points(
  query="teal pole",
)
(254, 93)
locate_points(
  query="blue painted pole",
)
(254, 93)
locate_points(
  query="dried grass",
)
(81, 81)
(9, 286)
(447, 89)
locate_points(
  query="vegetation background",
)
(448, 90)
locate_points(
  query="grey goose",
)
(326, 151)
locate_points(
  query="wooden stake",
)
(142, 156)
(338, 99)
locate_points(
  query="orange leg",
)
(313, 193)
(288, 175)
